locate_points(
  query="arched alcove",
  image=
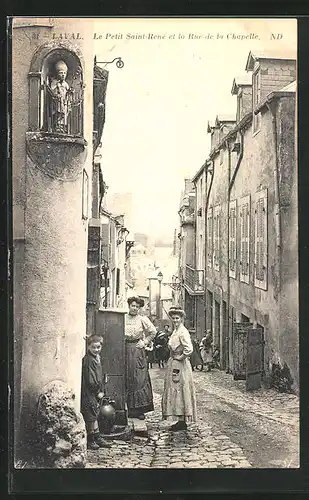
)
(55, 138)
(48, 95)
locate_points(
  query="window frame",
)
(210, 237)
(232, 225)
(216, 237)
(261, 224)
(245, 227)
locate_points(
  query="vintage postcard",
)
(155, 243)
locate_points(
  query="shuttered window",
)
(261, 243)
(216, 252)
(244, 239)
(209, 236)
(232, 238)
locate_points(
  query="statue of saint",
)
(62, 95)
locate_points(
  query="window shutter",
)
(245, 239)
(261, 240)
(232, 238)
(210, 236)
(217, 238)
(242, 232)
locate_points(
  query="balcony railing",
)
(194, 279)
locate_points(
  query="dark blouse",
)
(92, 380)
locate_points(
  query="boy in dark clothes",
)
(92, 392)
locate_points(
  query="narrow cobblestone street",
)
(235, 429)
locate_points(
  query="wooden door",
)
(225, 334)
(240, 333)
(110, 324)
(255, 356)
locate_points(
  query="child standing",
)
(92, 392)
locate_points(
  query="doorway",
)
(260, 327)
(217, 323)
(225, 335)
(217, 339)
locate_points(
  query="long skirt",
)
(196, 358)
(178, 399)
(162, 353)
(138, 384)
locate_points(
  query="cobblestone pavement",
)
(235, 429)
(193, 448)
(280, 407)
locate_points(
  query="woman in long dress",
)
(139, 332)
(178, 399)
(207, 350)
(196, 358)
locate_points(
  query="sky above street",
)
(158, 105)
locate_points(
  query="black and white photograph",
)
(155, 243)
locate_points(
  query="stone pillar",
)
(50, 230)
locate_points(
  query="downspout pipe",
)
(227, 344)
(272, 109)
(211, 172)
(241, 154)
(194, 248)
(231, 183)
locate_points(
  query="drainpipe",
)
(227, 344)
(231, 183)
(272, 110)
(194, 250)
(241, 154)
(211, 172)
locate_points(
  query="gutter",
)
(272, 109)
(243, 122)
(241, 154)
(275, 94)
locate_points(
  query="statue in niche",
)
(62, 97)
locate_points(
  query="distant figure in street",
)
(139, 332)
(207, 350)
(161, 349)
(196, 358)
(92, 392)
(150, 354)
(178, 399)
(167, 329)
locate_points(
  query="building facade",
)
(249, 231)
(114, 254)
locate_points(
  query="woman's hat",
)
(176, 310)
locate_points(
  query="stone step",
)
(139, 427)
